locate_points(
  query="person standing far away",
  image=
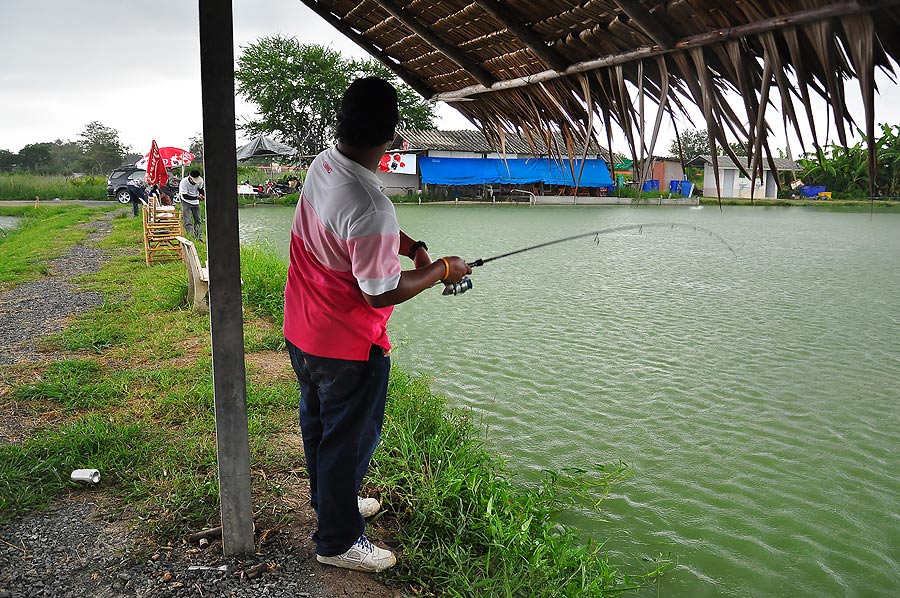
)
(191, 191)
(137, 188)
(343, 280)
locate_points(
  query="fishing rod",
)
(466, 283)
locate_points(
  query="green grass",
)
(36, 471)
(809, 202)
(466, 527)
(138, 405)
(264, 274)
(73, 384)
(28, 186)
(44, 233)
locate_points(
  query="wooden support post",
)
(226, 320)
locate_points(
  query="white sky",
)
(134, 66)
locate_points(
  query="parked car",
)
(117, 183)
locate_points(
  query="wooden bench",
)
(198, 276)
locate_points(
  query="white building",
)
(734, 184)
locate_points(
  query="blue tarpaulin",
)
(480, 171)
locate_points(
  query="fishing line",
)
(638, 227)
(465, 284)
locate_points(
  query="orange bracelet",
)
(446, 269)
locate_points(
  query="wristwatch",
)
(414, 248)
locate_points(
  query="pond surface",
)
(755, 395)
(7, 222)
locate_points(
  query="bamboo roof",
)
(581, 67)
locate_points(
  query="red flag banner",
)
(156, 168)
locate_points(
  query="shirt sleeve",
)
(373, 247)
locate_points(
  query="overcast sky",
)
(134, 66)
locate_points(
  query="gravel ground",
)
(87, 544)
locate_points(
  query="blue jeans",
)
(341, 415)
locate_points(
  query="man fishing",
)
(343, 280)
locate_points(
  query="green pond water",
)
(755, 395)
(8, 222)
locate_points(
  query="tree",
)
(196, 147)
(8, 159)
(695, 142)
(101, 147)
(845, 169)
(65, 157)
(35, 156)
(297, 89)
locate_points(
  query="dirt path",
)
(87, 543)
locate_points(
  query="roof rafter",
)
(409, 78)
(648, 23)
(517, 26)
(406, 17)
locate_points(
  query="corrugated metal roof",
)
(475, 142)
(727, 162)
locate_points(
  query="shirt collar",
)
(353, 166)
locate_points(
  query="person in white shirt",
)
(192, 193)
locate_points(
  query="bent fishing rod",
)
(466, 283)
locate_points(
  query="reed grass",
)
(23, 186)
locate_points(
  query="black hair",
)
(194, 173)
(368, 114)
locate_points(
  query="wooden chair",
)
(198, 276)
(162, 226)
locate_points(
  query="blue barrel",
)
(811, 190)
(651, 185)
(674, 186)
(687, 188)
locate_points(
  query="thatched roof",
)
(579, 67)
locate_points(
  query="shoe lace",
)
(363, 542)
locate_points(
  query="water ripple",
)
(755, 396)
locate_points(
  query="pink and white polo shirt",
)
(345, 237)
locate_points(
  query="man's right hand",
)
(458, 269)
(448, 270)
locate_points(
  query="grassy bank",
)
(42, 234)
(818, 203)
(135, 400)
(28, 186)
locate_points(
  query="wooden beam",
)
(409, 20)
(517, 27)
(703, 39)
(647, 23)
(226, 314)
(405, 75)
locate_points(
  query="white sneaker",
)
(367, 506)
(362, 556)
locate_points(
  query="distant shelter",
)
(733, 183)
(464, 165)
